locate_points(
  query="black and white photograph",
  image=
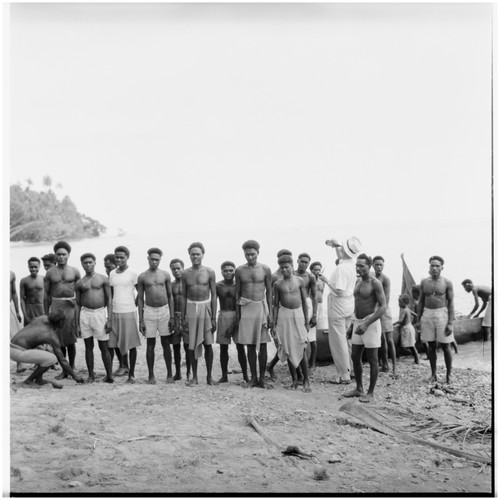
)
(251, 248)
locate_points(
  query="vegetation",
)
(40, 216)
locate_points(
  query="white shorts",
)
(371, 339)
(433, 324)
(93, 323)
(156, 321)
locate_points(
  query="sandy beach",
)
(118, 438)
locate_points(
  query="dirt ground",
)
(118, 438)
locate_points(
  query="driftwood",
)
(164, 436)
(361, 412)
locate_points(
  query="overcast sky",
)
(205, 115)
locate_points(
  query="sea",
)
(466, 249)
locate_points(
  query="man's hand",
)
(78, 379)
(214, 325)
(361, 329)
(19, 317)
(171, 325)
(313, 322)
(142, 327)
(349, 332)
(79, 332)
(108, 325)
(306, 323)
(448, 329)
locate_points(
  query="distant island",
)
(40, 216)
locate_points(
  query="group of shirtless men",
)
(255, 307)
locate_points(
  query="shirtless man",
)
(93, 315)
(49, 261)
(59, 295)
(484, 293)
(109, 263)
(200, 308)
(436, 313)
(365, 332)
(31, 292)
(253, 311)
(26, 347)
(291, 314)
(124, 334)
(227, 327)
(312, 303)
(179, 327)
(154, 290)
(15, 317)
(387, 337)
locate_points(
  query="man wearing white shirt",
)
(124, 330)
(341, 304)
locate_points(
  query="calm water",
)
(386, 240)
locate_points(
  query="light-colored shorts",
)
(227, 329)
(32, 356)
(432, 325)
(156, 321)
(487, 314)
(371, 338)
(93, 323)
(386, 321)
(407, 333)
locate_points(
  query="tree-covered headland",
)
(41, 216)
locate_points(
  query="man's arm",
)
(15, 299)
(476, 303)
(382, 305)
(140, 303)
(184, 296)
(421, 302)
(313, 290)
(56, 349)
(22, 298)
(47, 297)
(276, 302)
(213, 298)
(451, 307)
(108, 303)
(237, 296)
(269, 296)
(483, 307)
(303, 298)
(170, 298)
(78, 307)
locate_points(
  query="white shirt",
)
(123, 290)
(343, 278)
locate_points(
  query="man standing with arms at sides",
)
(154, 312)
(369, 307)
(387, 338)
(341, 304)
(436, 313)
(31, 292)
(109, 263)
(49, 261)
(93, 315)
(59, 295)
(124, 334)
(179, 327)
(312, 303)
(200, 308)
(254, 310)
(227, 327)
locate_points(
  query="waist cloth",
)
(32, 312)
(67, 330)
(252, 329)
(180, 331)
(199, 320)
(226, 327)
(292, 335)
(407, 335)
(124, 331)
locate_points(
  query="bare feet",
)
(356, 393)
(90, 380)
(223, 380)
(108, 380)
(394, 375)
(271, 372)
(384, 368)
(253, 382)
(20, 370)
(264, 385)
(178, 376)
(130, 380)
(121, 372)
(307, 386)
(151, 381)
(170, 380)
(61, 376)
(367, 398)
(30, 385)
(56, 385)
(192, 382)
(210, 381)
(294, 385)
(432, 379)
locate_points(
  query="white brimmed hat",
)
(352, 246)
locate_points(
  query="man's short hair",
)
(405, 298)
(363, 256)
(314, 264)
(123, 249)
(437, 257)
(49, 257)
(110, 257)
(283, 251)
(177, 261)
(62, 244)
(251, 244)
(197, 244)
(155, 250)
(467, 282)
(378, 257)
(304, 254)
(285, 259)
(227, 263)
(33, 259)
(87, 255)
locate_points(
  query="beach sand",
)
(118, 438)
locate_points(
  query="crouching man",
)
(27, 347)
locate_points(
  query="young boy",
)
(227, 327)
(179, 329)
(31, 292)
(407, 332)
(290, 311)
